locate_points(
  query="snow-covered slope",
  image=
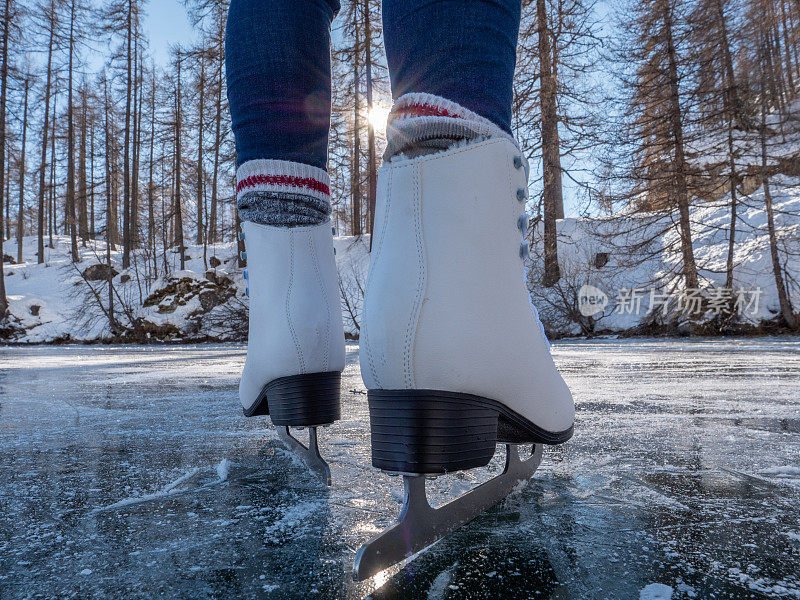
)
(59, 300)
(62, 301)
(641, 252)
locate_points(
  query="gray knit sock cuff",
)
(282, 193)
(424, 123)
(278, 209)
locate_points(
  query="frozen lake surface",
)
(131, 472)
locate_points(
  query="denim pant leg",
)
(461, 50)
(278, 73)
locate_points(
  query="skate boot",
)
(295, 349)
(453, 354)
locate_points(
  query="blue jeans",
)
(279, 74)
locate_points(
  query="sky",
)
(167, 24)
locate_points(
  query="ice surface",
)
(130, 472)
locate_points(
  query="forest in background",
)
(642, 108)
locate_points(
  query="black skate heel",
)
(303, 400)
(430, 431)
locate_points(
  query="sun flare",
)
(378, 115)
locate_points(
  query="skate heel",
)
(303, 400)
(430, 431)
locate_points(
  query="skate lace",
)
(522, 224)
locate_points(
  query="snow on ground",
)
(582, 239)
(52, 302)
(129, 471)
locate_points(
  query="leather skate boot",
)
(295, 350)
(453, 354)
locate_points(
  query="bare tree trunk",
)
(557, 173)
(109, 206)
(151, 222)
(3, 94)
(7, 195)
(734, 202)
(21, 211)
(91, 182)
(110, 216)
(372, 166)
(45, 131)
(681, 187)
(126, 174)
(70, 200)
(550, 152)
(200, 173)
(787, 45)
(217, 143)
(355, 165)
(52, 224)
(164, 222)
(733, 108)
(135, 150)
(787, 311)
(239, 243)
(83, 209)
(178, 161)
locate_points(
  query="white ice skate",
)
(295, 348)
(453, 354)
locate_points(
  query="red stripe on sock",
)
(422, 110)
(283, 180)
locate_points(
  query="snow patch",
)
(787, 471)
(223, 468)
(439, 585)
(656, 591)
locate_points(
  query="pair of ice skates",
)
(452, 352)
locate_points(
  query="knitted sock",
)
(424, 124)
(282, 193)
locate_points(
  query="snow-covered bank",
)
(60, 301)
(634, 261)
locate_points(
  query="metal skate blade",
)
(310, 454)
(421, 525)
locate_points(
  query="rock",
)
(601, 259)
(179, 292)
(211, 298)
(219, 277)
(34, 309)
(214, 261)
(100, 272)
(125, 278)
(9, 259)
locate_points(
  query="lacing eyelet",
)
(333, 230)
(518, 162)
(246, 275)
(524, 251)
(243, 254)
(241, 236)
(522, 194)
(522, 223)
